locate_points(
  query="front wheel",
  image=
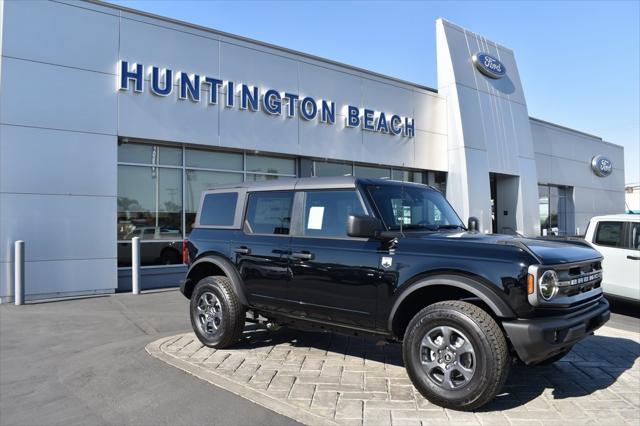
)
(456, 355)
(217, 316)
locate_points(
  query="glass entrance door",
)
(557, 216)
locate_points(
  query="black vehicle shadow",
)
(624, 307)
(594, 364)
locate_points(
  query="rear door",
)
(632, 261)
(261, 252)
(619, 269)
(334, 277)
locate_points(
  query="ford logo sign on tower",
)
(601, 166)
(488, 65)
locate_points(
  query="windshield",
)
(414, 207)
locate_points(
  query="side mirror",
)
(472, 224)
(364, 226)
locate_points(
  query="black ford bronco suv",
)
(394, 261)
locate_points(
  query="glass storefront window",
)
(372, 172)
(438, 180)
(136, 153)
(253, 177)
(271, 165)
(323, 169)
(149, 154)
(213, 159)
(407, 176)
(169, 156)
(149, 203)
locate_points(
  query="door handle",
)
(242, 250)
(633, 257)
(303, 255)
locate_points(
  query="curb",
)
(296, 413)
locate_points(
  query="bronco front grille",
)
(578, 283)
(579, 280)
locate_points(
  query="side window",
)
(219, 209)
(326, 212)
(609, 234)
(634, 235)
(269, 212)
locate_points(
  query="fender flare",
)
(495, 303)
(228, 269)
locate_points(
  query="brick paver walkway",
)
(323, 378)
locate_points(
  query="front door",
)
(334, 277)
(261, 253)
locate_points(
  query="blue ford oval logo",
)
(601, 166)
(489, 66)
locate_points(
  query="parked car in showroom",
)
(390, 260)
(617, 237)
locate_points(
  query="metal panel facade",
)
(62, 113)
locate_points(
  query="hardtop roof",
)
(310, 183)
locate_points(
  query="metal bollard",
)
(135, 265)
(19, 272)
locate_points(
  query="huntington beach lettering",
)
(163, 81)
(488, 65)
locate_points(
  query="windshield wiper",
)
(419, 226)
(428, 227)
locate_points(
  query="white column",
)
(135, 265)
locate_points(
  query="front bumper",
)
(537, 339)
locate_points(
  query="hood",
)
(547, 252)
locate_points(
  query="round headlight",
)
(548, 283)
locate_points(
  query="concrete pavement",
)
(83, 362)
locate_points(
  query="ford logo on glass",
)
(601, 166)
(488, 65)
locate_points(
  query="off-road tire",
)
(491, 355)
(232, 312)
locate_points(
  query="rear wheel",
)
(217, 316)
(456, 355)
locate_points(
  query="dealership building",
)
(113, 121)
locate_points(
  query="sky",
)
(579, 62)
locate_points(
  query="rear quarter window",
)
(219, 209)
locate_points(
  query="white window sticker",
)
(315, 217)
